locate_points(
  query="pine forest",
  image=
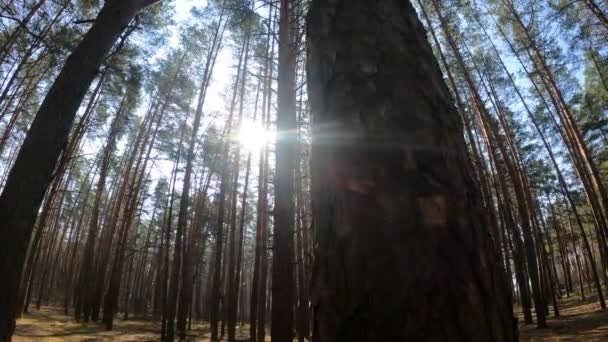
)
(304, 170)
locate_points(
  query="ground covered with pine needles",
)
(50, 324)
(579, 321)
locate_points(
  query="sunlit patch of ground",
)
(579, 321)
(49, 324)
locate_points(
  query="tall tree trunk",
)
(556, 166)
(216, 290)
(134, 198)
(231, 296)
(32, 171)
(182, 217)
(388, 153)
(283, 283)
(191, 250)
(573, 137)
(86, 275)
(260, 223)
(521, 193)
(164, 269)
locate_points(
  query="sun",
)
(252, 136)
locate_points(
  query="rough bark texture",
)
(33, 169)
(403, 248)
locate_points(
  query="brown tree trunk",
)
(231, 296)
(191, 250)
(163, 271)
(557, 168)
(580, 153)
(133, 199)
(216, 290)
(182, 221)
(32, 171)
(522, 195)
(66, 156)
(86, 275)
(283, 283)
(392, 186)
(260, 224)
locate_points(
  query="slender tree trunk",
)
(573, 137)
(182, 220)
(164, 269)
(86, 275)
(561, 179)
(191, 249)
(261, 203)
(12, 38)
(597, 11)
(231, 296)
(129, 213)
(522, 195)
(216, 290)
(284, 212)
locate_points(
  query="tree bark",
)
(392, 186)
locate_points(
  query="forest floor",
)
(51, 325)
(579, 321)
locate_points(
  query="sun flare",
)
(253, 136)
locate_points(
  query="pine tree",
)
(367, 136)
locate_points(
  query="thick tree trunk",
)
(392, 186)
